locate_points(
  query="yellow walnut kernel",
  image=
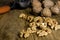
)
(32, 24)
(26, 35)
(30, 18)
(33, 29)
(22, 15)
(43, 25)
(29, 30)
(43, 33)
(55, 9)
(38, 19)
(22, 33)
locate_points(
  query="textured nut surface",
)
(22, 33)
(42, 26)
(26, 35)
(55, 9)
(36, 6)
(22, 15)
(46, 12)
(30, 18)
(48, 3)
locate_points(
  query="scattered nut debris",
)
(42, 26)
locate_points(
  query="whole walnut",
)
(58, 3)
(55, 9)
(46, 12)
(48, 3)
(36, 6)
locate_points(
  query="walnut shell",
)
(38, 19)
(48, 3)
(46, 12)
(55, 9)
(36, 6)
(58, 3)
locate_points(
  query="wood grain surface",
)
(11, 25)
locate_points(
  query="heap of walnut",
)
(42, 26)
(46, 7)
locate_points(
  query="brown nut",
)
(33, 28)
(36, 6)
(48, 3)
(46, 12)
(29, 30)
(55, 9)
(58, 3)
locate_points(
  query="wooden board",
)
(11, 25)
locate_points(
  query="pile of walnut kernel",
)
(42, 26)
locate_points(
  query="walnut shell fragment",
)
(48, 30)
(30, 18)
(58, 3)
(22, 33)
(42, 26)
